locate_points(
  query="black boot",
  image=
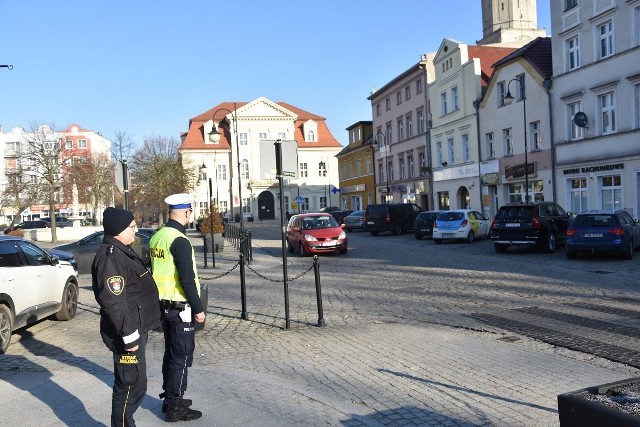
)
(181, 413)
(181, 402)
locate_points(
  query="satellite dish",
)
(581, 120)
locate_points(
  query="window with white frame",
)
(244, 169)
(454, 99)
(443, 103)
(407, 93)
(422, 159)
(500, 93)
(351, 174)
(304, 170)
(262, 136)
(420, 121)
(611, 191)
(403, 169)
(411, 166)
(243, 138)
(82, 143)
(508, 142)
(304, 206)
(409, 119)
(439, 153)
(607, 113)
(390, 167)
(311, 136)
(606, 39)
(570, 4)
(419, 86)
(68, 144)
(573, 53)
(359, 166)
(574, 131)
(398, 98)
(378, 109)
(388, 104)
(380, 173)
(400, 130)
(491, 148)
(466, 148)
(246, 205)
(222, 172)
(368, 164)
(451, 150)
(223, 206)
(322, 169)
(536, 136)
(389, 135)
(578, 194)
(323, 202)
(282, 135)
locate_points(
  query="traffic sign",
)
(293, 174)
(299, 199)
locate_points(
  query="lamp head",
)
(508, 98)
(214, 135)
(203, 168)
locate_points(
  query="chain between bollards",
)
(316, 271)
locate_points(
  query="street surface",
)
(416, 334)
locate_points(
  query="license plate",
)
(447, 234)
(592, 235)
(515, 224)
(331, 243)
(370, 222)
(425, 229)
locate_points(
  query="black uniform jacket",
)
(127, 294)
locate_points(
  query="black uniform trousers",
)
(130, 383)
(179, 344)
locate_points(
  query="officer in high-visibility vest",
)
(174, 269)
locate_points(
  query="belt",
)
(176, 305)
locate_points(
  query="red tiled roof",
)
(195, 137)
(537, 53)
(488, 56)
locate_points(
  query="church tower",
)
(509, 22)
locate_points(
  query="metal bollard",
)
(316, 271)
(204, 248)
(243, 293)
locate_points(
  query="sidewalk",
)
(355, 371)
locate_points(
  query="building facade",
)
(356, 168)
(596, 104)
(241, 157)
(400, 120)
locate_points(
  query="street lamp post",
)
(203, 169)
(214, 137)
(323, 165)
(508, 99)
(386, 162)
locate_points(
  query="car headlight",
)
(310, 238)
(342, 235)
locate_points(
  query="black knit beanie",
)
(115, 221)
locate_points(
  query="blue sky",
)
(147, 67)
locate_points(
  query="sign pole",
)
(279, 175)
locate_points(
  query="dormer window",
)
(310, 131)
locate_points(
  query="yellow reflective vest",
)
(163, 266)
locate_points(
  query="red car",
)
(315, 233)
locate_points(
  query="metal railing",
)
(240, 239)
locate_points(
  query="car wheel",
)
(628, 253)
(437, 241)
(499, 247)
(374, 233)
(6, 326)
(572, 255)
(418, 236)
(470, 237)
(69, 302)
(551, 243)
(396, 230)
(291, 249)
(303, 253)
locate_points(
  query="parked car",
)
(330, 209)
(460, 224)
(60, 221)
(542, 224)
(85, 249)
(148, 231)
(34, 286)
(64, 256)
(28, 225)
(340, 215)
(423, 225)
(315, 233)
(394, 217)
(603, 231)
(354, 221)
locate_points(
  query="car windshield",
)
(594, 221)
(319, 222)
(450, 216)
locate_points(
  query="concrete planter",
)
(218, 240)
(575, 409)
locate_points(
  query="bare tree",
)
(93, 180)
(21, 190)
(157, 171)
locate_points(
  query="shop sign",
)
(517, 171)
(587, 169)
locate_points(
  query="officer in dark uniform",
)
(174, 270)
(129, 308)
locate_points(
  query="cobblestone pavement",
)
(416, 334)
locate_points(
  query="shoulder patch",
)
(116, 284)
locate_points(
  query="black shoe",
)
(181, 402)
(182, 413)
